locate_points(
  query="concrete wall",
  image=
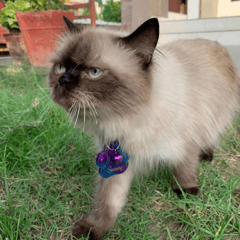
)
(135, 12)
(224, 30)
(193, 9)
(140, 12)
(228, 8)
(126, 12)
(209, 8)
(173, 16)
(158, 8)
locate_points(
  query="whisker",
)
(74, 113)
(71, 111)
(77, 115)
(71, 106)
(89, 107)
(77, 66)
(84, 117)
(94, 112)
(76, 60)
(93, 107)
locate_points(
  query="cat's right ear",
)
(71, 27)
(144, 40)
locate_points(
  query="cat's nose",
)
(67, 77)
(64, 79)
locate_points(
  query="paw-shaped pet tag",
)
(112, 160)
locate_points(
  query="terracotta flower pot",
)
(2, 30)
(15, 43)
(40, 31)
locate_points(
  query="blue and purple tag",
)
(112, 160)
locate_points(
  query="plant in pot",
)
(111, 11)
(33, 26)
(8, 20)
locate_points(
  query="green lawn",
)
(47, 172)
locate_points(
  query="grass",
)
(47, 173)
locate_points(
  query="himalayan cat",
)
(163, 105)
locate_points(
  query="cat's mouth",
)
(82, 118)
(83, 111)
(80, 106)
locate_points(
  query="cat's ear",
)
(71, 27)
(144, 39)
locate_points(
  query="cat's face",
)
(100, 69)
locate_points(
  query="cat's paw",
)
(206, 155)
(193, 190)
(83, 228)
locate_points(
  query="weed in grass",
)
(47, 173)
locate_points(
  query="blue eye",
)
(60, 69)
(95, 72)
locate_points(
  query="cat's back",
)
(196, 84)
(204, 55)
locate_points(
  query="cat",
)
(162, 104)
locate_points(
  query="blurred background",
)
(217, 20)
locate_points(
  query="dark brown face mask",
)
(68, 77)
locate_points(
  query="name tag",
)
(112, 161)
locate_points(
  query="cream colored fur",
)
(194, 97)
(168, 114)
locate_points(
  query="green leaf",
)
(112, 11)
(40, 2)
(11, 21)
(8, 12)
(15, 25)
(10, 4)
(22, 5)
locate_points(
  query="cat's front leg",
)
(185, 172)
(110, 199)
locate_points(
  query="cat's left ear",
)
(71, 26)
(144, 40)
